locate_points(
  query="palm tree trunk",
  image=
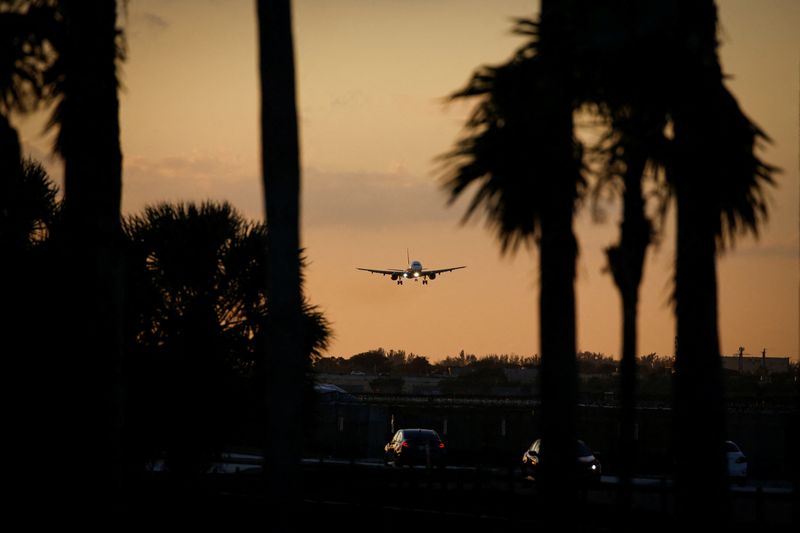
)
(626, 262)
(558, 252)
(699, 407)
(281, 173)
(701, 496)
(630, 301)
(10, 176)
(89, 143)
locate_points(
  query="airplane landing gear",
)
(424, 281)
(399, 281)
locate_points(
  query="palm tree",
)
(33, 211)
(10, 181)
(626, 264)
(23, 61)
(84, 78)
(286, 361)
(623, 87)
(668, 73)
(198, 318)
(521, 152)
(26, 201)
(718, 182)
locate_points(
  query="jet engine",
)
(394, 277)
(432, 276)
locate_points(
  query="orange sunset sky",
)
(372, 77)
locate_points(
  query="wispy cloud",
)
(141, 23)
(788, 248)
(153, 22)
(350, 100)
(372, 199)
(352, 199)
(193, 177)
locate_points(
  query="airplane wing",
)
(388, 272)
(439, 270)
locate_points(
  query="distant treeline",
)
(401, 363)
(472, 374)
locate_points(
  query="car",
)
(737, 462)
(587, 466)
(417, 446)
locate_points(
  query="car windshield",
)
(583, 450)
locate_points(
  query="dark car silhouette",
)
(737, 462)
(415, 447)
(587, 467)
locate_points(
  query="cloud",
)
(373, 199)
(782, 249)
(194, 177)
(343, 199)
(350, 100)
(153, 22)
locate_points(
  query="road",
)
(468, 495)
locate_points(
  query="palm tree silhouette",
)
(23, 62)
(198, 317)
(286, 360)
(719, 189)
(624, 87)
(84, 80)
(521, 152)
(26, 201)
(33, 211)
(629, 158)
(647, 66)
(662, 69)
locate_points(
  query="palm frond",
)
(512, 149)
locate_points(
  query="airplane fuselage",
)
(414, 271)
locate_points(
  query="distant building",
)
(755, 364)
(361, 383)
(352, 383)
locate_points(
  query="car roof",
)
(731, 446)
(420, 432)
(579, 441)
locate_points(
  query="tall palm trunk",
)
(88, 140)
(10, 176)
(699, 407)
(281, 174)
(558, 253)
(698, 395)
(523, 153)
(13, 285)
(626, 262)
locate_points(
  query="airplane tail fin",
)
(408, 258)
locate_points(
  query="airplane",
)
(414, 271)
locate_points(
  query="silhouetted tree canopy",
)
(199, 319)
(33, 208)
